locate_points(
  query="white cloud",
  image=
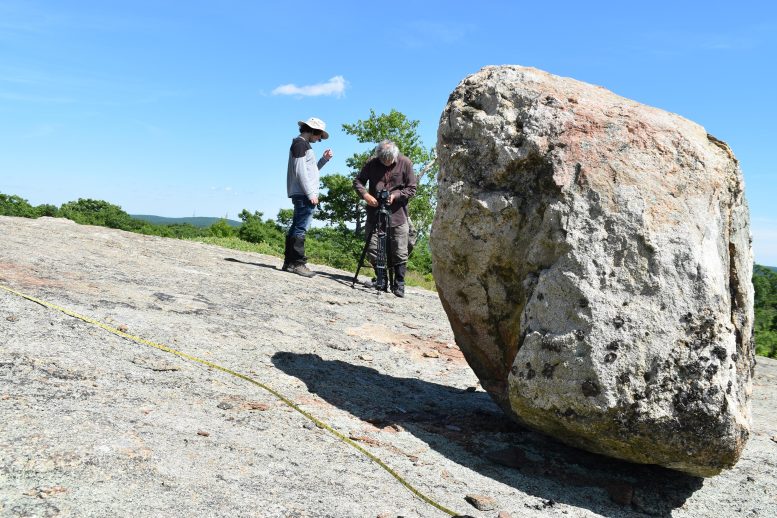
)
(335, 86)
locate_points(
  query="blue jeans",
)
(303, 216)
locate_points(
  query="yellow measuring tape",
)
(272, 391)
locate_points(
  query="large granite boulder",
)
(594, 258)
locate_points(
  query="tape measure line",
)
(267, 388)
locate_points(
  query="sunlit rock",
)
(593, 255)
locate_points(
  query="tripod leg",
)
(361, 258)
(389, 258)
(381, 262)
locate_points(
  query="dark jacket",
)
(398, 178)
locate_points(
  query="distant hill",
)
(200, 222)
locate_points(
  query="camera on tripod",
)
(382, 230)
(382, 197)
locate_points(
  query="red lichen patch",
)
(446, 350)
(22, 276)
(255, 405)
(413, 457)
(365, 439)
(420, 347)
(375, 332)
(312, 400)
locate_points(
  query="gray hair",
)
(387, 150)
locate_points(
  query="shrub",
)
(12, 205)
(766, 343)
(421, 259)
(765, 331)
(96, 212)
(46, 210)
(338, 247)
(254, 230)
(221, 229)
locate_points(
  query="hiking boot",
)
(399, 280)
(300, 269)
(370, 283)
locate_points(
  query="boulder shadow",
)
(471, 430)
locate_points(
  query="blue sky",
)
(187, 108)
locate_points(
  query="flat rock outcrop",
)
(593, 256)
(92, 424)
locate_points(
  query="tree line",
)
(765, 284)
(336, 246)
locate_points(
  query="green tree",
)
(285, 218)
(47, 210)
(254, 230)
(336, 246)
(424, 203)
(221, 229)
(339, 201)
(394, 126)
(766, 343)
(87, 211)
(12, 205)
(765, 328)
(341, 205)
(185, 230)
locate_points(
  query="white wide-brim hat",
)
(315, 123)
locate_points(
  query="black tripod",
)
(384, 275)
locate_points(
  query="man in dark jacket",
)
(391, 171)
(302, 178)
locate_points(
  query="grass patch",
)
(235, 243)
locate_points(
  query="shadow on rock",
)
(340, 278)
(469, 429)
(263, 265)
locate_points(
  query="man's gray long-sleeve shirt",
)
(303, 172)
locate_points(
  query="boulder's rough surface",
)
(593, 256)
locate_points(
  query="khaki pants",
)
(398, 245)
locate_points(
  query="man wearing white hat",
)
(302, 187)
